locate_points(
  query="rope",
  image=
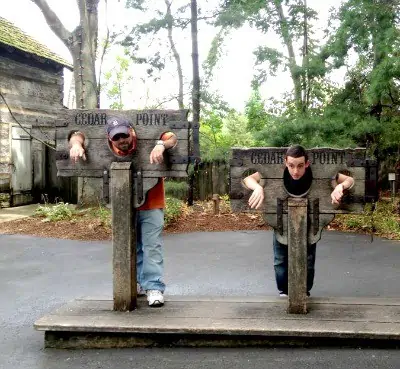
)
(23, 128)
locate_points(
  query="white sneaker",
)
(281, 294)
(140, 290)
(155, 298)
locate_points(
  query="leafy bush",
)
(101, 213)
(178, 190)
(383, 220)
(54, 213)
(173, 210)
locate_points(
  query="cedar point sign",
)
(325, 164)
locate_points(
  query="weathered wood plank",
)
(138, 118)
(297, 255)
(315, 226)
(19, 70)
(325, 162)
(16, 89)
(98, 173)
(275, 156)
(149, 125)
(29, 110)
(142, 133)
(276, 171)
(10, 84)
(33, 118)
(32, 103)
(320, 189)
(360, 318)
(99, 157)
(124, 237)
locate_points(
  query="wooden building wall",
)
(33, 90)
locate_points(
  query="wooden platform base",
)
(228, 322)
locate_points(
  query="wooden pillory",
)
(298, 221)
(131, 176)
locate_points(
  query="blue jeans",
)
(149, 254)
(281, 265)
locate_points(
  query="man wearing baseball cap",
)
(150, 216)
(121, 136)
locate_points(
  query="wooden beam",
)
(124, 237)
(297, 253)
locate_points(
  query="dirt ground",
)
(199, 218)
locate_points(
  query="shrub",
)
(54, 213)
(383, 220)
(178, 190)
(101, 213)
(173, 210)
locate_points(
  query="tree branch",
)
(54, 22)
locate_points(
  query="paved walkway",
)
(18, 212)
(39, 275)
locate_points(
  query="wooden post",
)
(297, 252)
(216, 200)
(124, 237)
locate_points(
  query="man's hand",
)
(257, 197)
(156, 155)
(337, 194)
(76, 152)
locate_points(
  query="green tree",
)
(292, 21)
(165, 20)
(256, 114)
(116, 81)
(367, 29)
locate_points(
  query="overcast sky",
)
(232, 78)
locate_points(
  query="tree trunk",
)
(195, 101)
(306, 85)
(294, 70)
(176, 55)
(196, 78)
(82, 44)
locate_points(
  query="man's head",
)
(296, 160)
(119, 131)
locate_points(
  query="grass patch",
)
(383, 221)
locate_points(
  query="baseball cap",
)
(117, 125)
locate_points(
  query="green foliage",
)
(54, 213)
(293, 23)
(101, 213)
(142, 34)
(384, 220)
(116, 80)
(274, 58)
(215, 52)
(369, 28)
(177, 190)
(257, 117)
(220, 133)
(213, 115)
(173, 210)
(136, 4)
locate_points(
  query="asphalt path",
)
(38, 275)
